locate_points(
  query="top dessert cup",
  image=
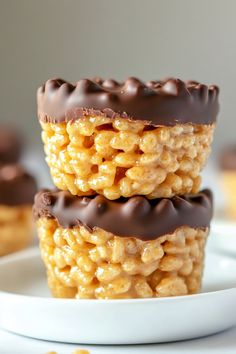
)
(124, 139)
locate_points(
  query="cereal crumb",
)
(77, 351)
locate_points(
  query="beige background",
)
(149, 38)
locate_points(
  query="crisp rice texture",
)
(119, 157)
(100, 265)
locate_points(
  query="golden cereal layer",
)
(100, 265)
(123, 158)
(16, 228)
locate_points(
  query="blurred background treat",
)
(17, 190)
(10, 145)
(150, 40)
(227, 164)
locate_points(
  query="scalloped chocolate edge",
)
(133, 217)
(158, 103)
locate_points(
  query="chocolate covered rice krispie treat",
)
(126, 139)
(96, 248)
(17, 190)
(10, 145)
(227, 163)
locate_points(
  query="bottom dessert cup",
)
(89, 262)
(16, 228)
(100, 265)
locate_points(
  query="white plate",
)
(224, 236)
(26, 308)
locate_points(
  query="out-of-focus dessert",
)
(76, 351)
(129, 138)
(128, 248)
(10, 145)
(227, 162)
(17, 190)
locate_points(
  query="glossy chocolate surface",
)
(167, 102)
(136, 216)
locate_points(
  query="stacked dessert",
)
(129, 220)
(17, 190)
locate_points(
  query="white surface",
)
(225, 240)
(117, 321)
(222, 343)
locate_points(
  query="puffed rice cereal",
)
(99, 265)
(119, 157)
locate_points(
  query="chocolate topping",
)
(166, 102)
(10, 146)
(17, 187)
(136, 216)
(227, 159)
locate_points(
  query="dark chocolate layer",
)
(227, 159)
(10, 146)
(136, 216)
(17, 187)
(166, 102)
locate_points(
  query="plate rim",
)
(218, 225)
(35, 251)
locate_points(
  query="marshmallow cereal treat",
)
(17, 190)
(126, 139)
(227, 164)
(95, 248)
